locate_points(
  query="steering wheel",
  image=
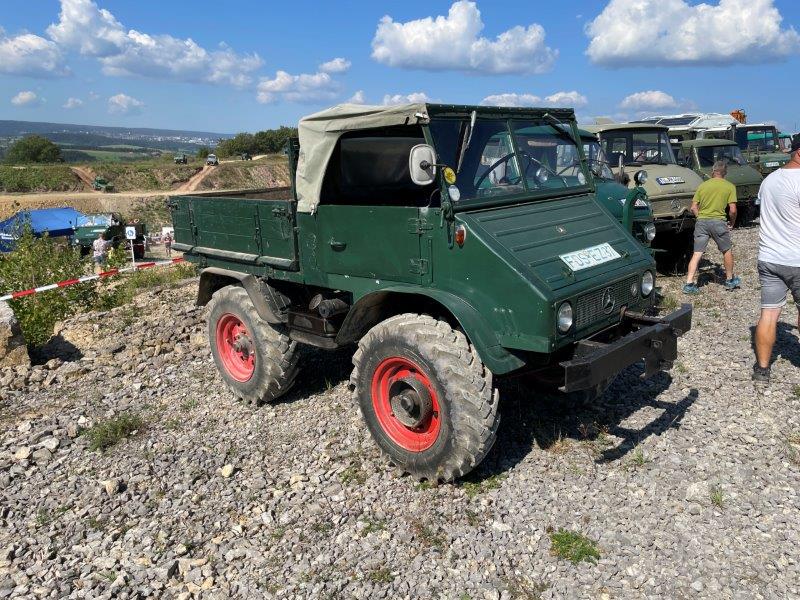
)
(508, 157)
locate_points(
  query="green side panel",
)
(380, 242)
(182, 221)
(535, 235)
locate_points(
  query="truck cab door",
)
(378, 242)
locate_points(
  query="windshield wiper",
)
(466, 140)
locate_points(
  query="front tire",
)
(257, 361)
(426, 396)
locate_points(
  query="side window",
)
(371, 169)
(616, 148)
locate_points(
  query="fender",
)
(371, 308)
(269, 303)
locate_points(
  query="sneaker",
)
(760, 374)
(733, 283)
(691, 288)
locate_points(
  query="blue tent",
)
(56, 222)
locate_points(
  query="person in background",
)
(168, 243)
(778, 255)
(100, 252)
(710, 201)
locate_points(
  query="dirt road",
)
(195, 180)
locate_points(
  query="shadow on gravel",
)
(548, 421)
(787, 344)
(320, 370)
(55, 347)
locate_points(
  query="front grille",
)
(592, 307)
(746, 192)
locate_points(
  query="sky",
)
(253, 64)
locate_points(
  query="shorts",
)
(708, 228)
(99, 260)
(776, 282)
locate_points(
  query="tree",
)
(203, 152)
(33, 149)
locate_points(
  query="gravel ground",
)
(686, 484)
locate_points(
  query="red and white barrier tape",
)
(85, 278)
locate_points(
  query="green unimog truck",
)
(701, 154)
(89, 227)
(443, 241)
(101, 184)
(760, 146)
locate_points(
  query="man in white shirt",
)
(778, 255)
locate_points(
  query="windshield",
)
(598, 162)
(638, 147)
(708, 155)
(509, 157)
(757, 139)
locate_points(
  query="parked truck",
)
(444, 242)
(760, 146)
(700, 156)
(89, 227)
(670, 187)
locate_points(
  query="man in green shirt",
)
(709, 204)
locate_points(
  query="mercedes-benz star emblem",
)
(608, 301)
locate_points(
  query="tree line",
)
(269, 141)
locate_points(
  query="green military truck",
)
(760, 146)
(444, 242)
(101, 184)
(701, 154)
(88, 228)
(181, 159)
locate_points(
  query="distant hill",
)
(68, 134)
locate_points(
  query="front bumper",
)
(652, 339)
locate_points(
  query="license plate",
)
(770, 165)
(590, 257)
(669, 180)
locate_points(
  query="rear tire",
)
(450, 422)
(257, 361)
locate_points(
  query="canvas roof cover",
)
(319, 133)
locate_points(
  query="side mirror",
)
(422, 164)
(640, 177)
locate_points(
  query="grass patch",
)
(105, 434)
(474, 488)
(373, 527)
(130, 285)
(383, 575)
(353, 474)
(428, 536)
(668, 303)
(573, 547)
(796, 391)
(717, 497)
(638, 459)
(44, 178)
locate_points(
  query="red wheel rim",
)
(235, 347)
(400, 373)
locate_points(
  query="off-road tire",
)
(468, 405)
(276, 356)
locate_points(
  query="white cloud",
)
(30, 55)
(93, 95)
(297, 88)
(673, 32)
(567, 100)
(73, 103)
(122, 104)
(454, 43)
(512, 100)
(411, 98)
(93, 31)
(649, 100)
(357, 98)
(337, 65)
(26, 98)
(559, 99)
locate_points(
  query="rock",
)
(111, 486)
(698, 492)
(50, 443)
(226, 471)
(13, 350)
(22, 453)
(42, 455)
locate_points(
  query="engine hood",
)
(737, 175)
(532, 237)
(611, 194)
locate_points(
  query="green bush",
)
(33, 149)
(41, 261)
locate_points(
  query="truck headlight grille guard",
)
(602, 303)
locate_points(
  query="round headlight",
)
(648, 282)
(649, 232)
(564, 317)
